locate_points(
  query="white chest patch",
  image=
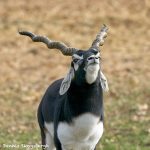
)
(92, 73)
(83, 134)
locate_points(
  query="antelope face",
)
(86, 65)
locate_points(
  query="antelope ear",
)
(104, 82)
(66, 82)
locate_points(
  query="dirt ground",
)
(27, 68)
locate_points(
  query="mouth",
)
(92, 67)
(93, 63)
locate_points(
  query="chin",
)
(92, 73)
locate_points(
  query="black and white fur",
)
(70, 114)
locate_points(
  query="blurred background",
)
(27, 68)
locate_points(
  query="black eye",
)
(75, 60)
(90, 58)
(98, 57)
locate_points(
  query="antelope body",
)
(70, 114)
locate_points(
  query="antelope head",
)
(85, 65)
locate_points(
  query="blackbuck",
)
(70, 114)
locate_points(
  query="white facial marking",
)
(92, 73)
(83, 134)
(75, 56)
(92, 68)
(76, 65)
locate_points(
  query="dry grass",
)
(28, 68)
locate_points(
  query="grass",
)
(28, 68)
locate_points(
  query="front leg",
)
(58, 145)
(59, 148)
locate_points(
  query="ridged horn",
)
(99, 41)
(68, 51)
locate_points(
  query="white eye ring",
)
(76, 58)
